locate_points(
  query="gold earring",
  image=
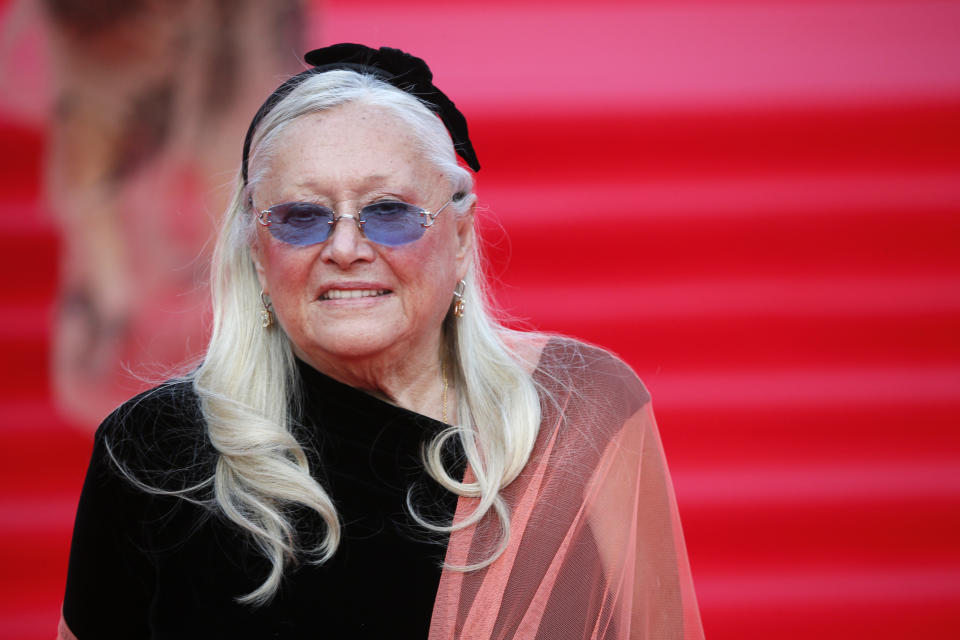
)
(266, 315)
(458, 306)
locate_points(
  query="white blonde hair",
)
(248, 380)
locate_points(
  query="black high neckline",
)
(352, 414)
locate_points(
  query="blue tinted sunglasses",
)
(388, 222)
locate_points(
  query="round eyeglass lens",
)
(392, 223)
(300, 223)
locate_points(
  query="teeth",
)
(341, 294)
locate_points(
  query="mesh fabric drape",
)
(596, 549)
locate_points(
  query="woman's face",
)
(346, 158)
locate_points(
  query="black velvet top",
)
(148, 566)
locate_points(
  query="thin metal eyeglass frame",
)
(428, 219)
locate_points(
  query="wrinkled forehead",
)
(344, 151)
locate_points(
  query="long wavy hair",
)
(248, 380)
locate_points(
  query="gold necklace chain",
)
(443, 399)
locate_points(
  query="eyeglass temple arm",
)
(430, 218)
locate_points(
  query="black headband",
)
(402, 70)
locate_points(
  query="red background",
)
(755, 203)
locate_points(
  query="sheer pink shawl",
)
(595, 549)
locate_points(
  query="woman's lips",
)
(346, 294)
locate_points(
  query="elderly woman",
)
(364, 451)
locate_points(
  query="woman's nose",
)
(346, 243)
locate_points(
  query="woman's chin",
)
(348, 343)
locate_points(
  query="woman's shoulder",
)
(155, 413)
(585, 369)
(158, 430)
(591, 400)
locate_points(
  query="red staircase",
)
(42, 458)
(775, 251)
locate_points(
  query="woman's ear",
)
(255, 248)
(257, 258)
(466, 236)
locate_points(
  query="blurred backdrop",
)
(756, 203)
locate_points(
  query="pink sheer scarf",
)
(596, 549)
(63, 631)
